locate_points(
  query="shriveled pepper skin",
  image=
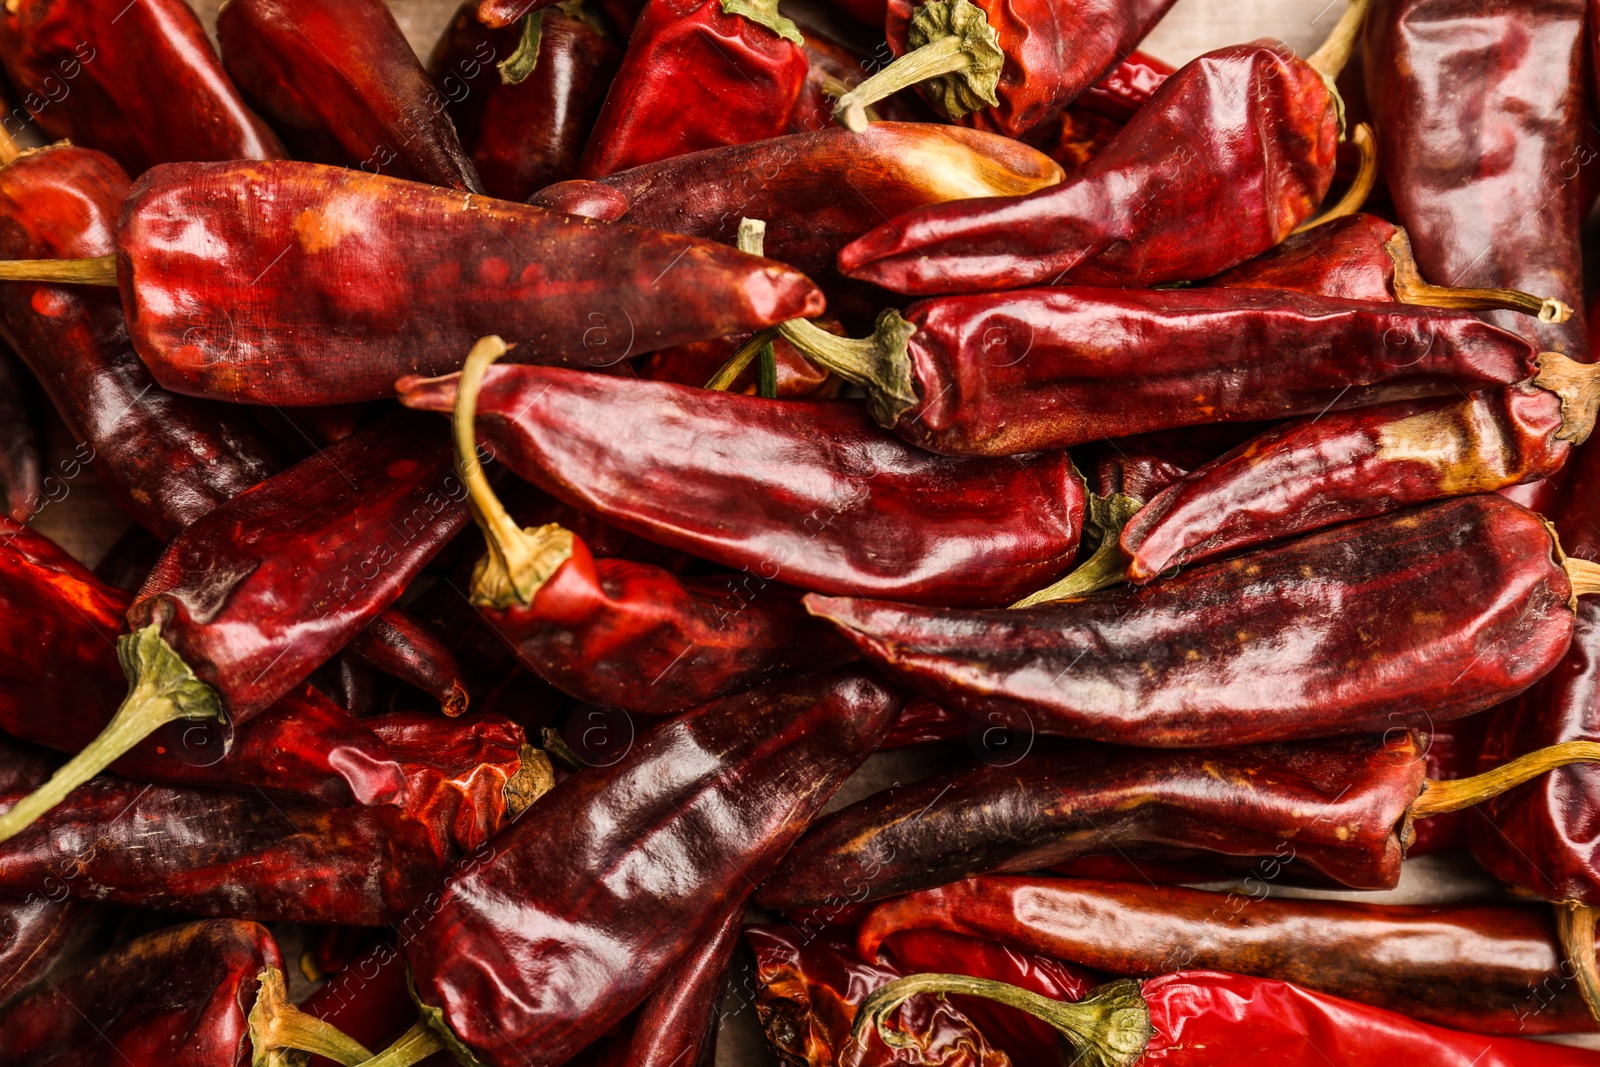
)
(819, 191)
(1003, 373)
(1295, 641)
(309, 287)
(1471, 968)
(530, 956)
(1480, 114)
(1231, 154)
(809, 493)
(1346, 465)
(1332, 807)
(1127, 87)
(342, 83)
(695, 76)
(33, 933)
(180, 997)
(1344, 258)
(268, 586)
(139, 83)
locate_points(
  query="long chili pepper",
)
(1002, 67)
(369, 304)
(1231, 154)
(403, 647)
(22, 479)
(140, 83)
(34, 933)
(1471, 968)
(1199, 1018)
(808, 493)
(342, 84)
(697, 74)
(178, 997)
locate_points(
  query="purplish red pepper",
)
(34, 933)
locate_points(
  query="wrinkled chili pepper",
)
(1230, 154)
(528, 958)
(812, 498)
(1471, 968)
(342, 84)
(1191, 1018)
(180, 996)
(22, 488)
(140, 83)
(34, 933)
(1127, 87)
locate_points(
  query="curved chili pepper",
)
(404, 647)
(1487, 969)
(22, 488)
(140, 83)
(808, 496)
(343, 85)
(34, 933)
(179, 997)
(1230, 154)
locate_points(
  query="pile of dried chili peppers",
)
(553, 468)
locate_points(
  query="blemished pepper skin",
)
(370, 304)
(340, 81)
(1471, 968)
(697, 74)
(34, 932)
(1294, 641)
(139, 83)
(808, 493)
(1231, 154)
(530, 957)
(180, 997)
(1325, 811)
(819, 191)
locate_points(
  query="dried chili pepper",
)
(342, 84)
(34, 932)
(140, 83)
(1230, 154)
(814, 494)
(1128, 87)
(403, 647)
(584, 198)
(795, 377)
(22, 488)
(1471, 968)
(922, 722)
(179, 996)
(697, 74)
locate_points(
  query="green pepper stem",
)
(1330, 59)
(751, 238)
(515, 68)
(950, 40)
(1410, 288)
(1355, 197)
(413, 1046)
(519, 561)
(1575, 927)
(100, 270)
(1442, 796)
(281, 1034)
(162, 689)
(1110, 1027)
(880, 364)
(1106, 566)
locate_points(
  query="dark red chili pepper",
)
(404, 647)
(178, 997)
(528, 957)
(697, 74)
(587, 199)
(22, 489)
(1199, 1018)
(804, 492)
(1128, 87)
(342, 84)
(797, 378)
(1349, 258)
(1488, 969)
(140, 83)
(530, 134)
(35, 932)
(922, 722)
(1453, 750)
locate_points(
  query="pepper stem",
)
(162, 689)
(880, 364)
(1106, 566)
(1584, 576)
(1335, 52)
(519, 560)
(1410, 288)
(953, 48)
(1578, 386)
(515, 68)
(413, 1046)
(1355, 197)
(1110, 1027)
(281, 1034)
(752, 238)
(1442, 796)
(100, 270)
(534, 778)
(1575, 927)
(9, 149)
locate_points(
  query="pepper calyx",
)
(765, 13)
(281, 1035)
(1106, 565)
(1578, 386)
(516, 68)
(880, 364)
(953, 54)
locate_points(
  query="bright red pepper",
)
(1128, 87)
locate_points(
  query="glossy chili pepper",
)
(34, 932)
(1006, 373)
(208, 852)
(697, 74)
(1230, 154)
(797, 378)
(922, 722)
(584, 198)
(140, 83)
(528, 958)
(22, 488)
(1471, 968)
(805, 492)
(1128, 87)
(1347, 258)
(527, 135)
(343, 85)
(180, 996)
(403, 647)
(1198, 1018)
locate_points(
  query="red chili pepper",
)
(343, 85)
(22, 478)
(584, 198)
(179, 997)
(1351, 258)
(1128, 87)
(805, 492)
(923, 722)
(35, 933)
(404, 647)
(797, 378)
(697, 74)
(140, 83)
(1488, 969)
